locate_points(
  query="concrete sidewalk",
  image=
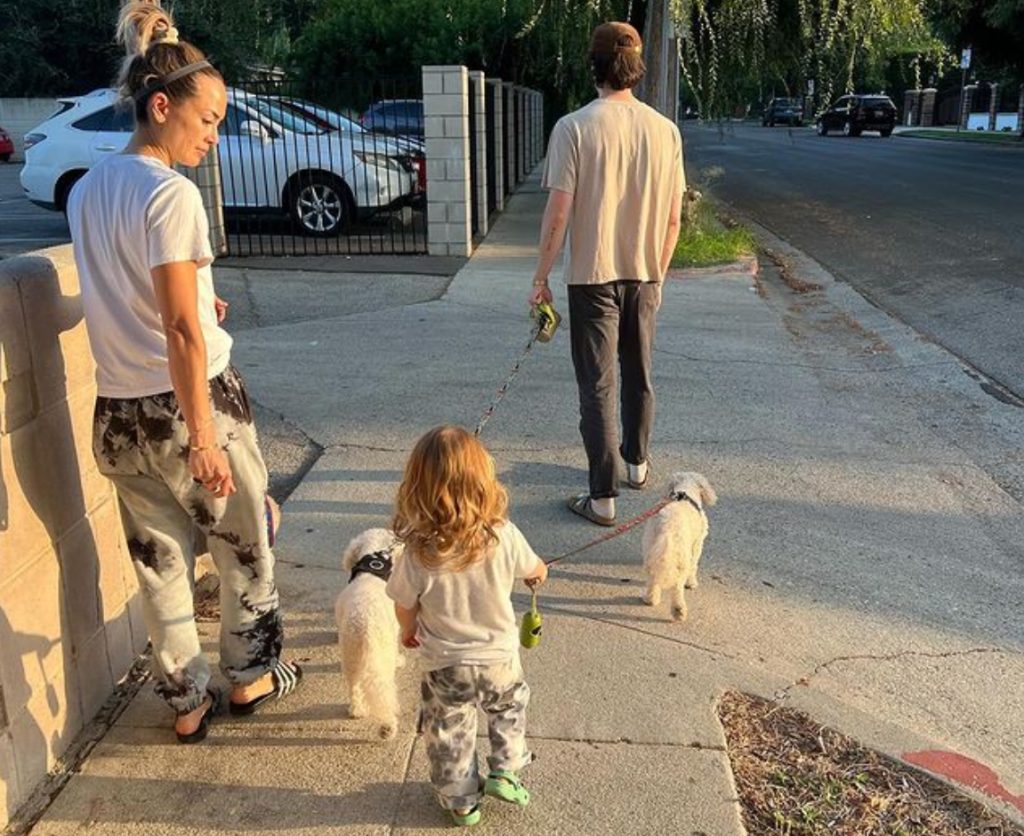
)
(864, 562)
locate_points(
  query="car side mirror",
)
(250, 127)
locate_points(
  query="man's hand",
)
(540, 293)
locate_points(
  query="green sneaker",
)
(506, 785)
(467, 819)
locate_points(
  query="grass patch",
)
(796, 776)
(967, 136)
(708, 241)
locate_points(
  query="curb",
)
(748, 265)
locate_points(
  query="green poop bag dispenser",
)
(530, 627)
(547, 320)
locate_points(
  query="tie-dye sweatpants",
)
(141, 445)
(451, 697)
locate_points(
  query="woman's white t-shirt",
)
(466, 617)
(129, 214)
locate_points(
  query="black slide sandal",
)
(286, 676)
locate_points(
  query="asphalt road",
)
(24, 226)
(932, 232)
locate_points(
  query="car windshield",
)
(321, 115)
(287, 119)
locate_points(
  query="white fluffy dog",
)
(368, 629)
(674, 538)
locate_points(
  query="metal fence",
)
(474, 152)
(947, 107)
(492, 91)
(316, 168)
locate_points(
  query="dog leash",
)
(546, 319)
(532, 625)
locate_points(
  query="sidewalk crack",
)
(594, 741)
(783, 693)
(401, 787)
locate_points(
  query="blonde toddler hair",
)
(450, 502)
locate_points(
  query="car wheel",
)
(321, 205)
(822, 130)
(64, 186)
(886, 133)
(849, 129)
(5, 158)
(771, 123)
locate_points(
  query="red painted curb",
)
(966, 771)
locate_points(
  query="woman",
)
(173, 427)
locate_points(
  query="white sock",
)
(638, 472)
(605, 507)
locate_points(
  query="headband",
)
(171, 77)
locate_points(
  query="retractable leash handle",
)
(548, 320)
(530, 627)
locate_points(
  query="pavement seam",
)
(711, 361)
(625, 741)
(783, 694)
(404, 783)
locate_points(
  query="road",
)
(929, 231)
(23, 226)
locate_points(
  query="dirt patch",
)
(789, 276)
(796, 776)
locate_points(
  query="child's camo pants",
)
(141, 445)
(450, 700)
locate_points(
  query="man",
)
(615, 175)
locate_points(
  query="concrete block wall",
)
(70, 623)
(446, 136)
(19, 116)
(478, 90)
(510, 135)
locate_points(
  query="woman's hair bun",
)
(143, 23)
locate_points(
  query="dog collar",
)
(680, 496)
(377, 564)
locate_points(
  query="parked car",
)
(333, 121)
(399, 117)
(272, 160)
(854, 114)
(6, 146)
(790, 111)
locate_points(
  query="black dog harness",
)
(684, 496)
(377, 564)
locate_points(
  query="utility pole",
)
(660, 87)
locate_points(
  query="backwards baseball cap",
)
(613, 37)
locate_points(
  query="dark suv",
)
(398, 117)
(790, 111)
(854, 114)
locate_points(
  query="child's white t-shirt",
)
(466, 617)
(128, 214)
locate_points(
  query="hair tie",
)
(171, 77)
(166, 36)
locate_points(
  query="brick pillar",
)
(499, 144)
(479, 93)
(965, 104)
(446, 136)
(928, 107)
(993, 105)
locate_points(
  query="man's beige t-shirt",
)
(622, 162)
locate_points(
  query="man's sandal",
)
(582, 506)
(203, 728)
(285, 677)
(639, 486)
(467, 819)
(506, 785)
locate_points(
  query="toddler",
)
(452, 597)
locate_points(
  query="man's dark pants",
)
(612, 325)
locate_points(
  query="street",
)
(929, 231)
(24, 226)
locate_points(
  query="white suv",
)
(271, 160)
